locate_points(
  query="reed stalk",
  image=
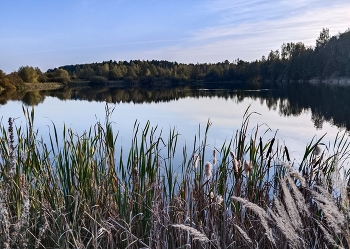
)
(78, 191)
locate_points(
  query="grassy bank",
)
(77, 193)
(41, 86)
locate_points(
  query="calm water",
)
(296, 118)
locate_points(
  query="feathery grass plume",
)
(262, 215)
(195, 160)
(334, 218)
(291, 207)
(312, 174)
(197, 235)
(339, 183)
(214, 157)
(298, 197)
(294, 173)
(208, 169)
(247, 167)
(327, 236)
(284, 224)
(245, 236)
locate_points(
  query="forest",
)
(330, 57)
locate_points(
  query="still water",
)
(294, 119)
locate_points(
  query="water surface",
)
(293, 119)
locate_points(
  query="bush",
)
(15, 79)
(43, 78)
(6, 84)
(28, 74)
(63, 80)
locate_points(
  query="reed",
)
(78, 191)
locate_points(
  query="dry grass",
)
(76, 193)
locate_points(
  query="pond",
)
(295, 114)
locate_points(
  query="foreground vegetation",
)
(76, 193)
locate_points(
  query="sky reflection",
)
(186, 115)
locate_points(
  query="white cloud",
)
(251, 40)
(336, 18)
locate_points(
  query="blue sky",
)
(49, 34)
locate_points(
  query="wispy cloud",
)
(310, 18)
(250, 40)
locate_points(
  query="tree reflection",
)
(326, 103)
(33, 98)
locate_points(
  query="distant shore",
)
(334, 81)
(42, 86)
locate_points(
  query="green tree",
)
(57, 75)
(61, 75)
(323, 38)
(86, 73)
(115, 73)
(28, 74)
(274, 55)
(131, 73)
(14, 79)
(153, 69)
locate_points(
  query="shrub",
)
(43, 78)
(28, 74)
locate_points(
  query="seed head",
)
(208, 169)
(317, 151)
(247, 167)
(219, 199)
(195, 160)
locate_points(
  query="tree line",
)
(330, 57)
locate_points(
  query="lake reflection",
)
(294, 112)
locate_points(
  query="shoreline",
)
(41, 86)
(332, 81)
(335, 81)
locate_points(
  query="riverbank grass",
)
(77, 191)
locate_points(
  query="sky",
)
(49, 34)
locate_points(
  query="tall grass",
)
(77, 191)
